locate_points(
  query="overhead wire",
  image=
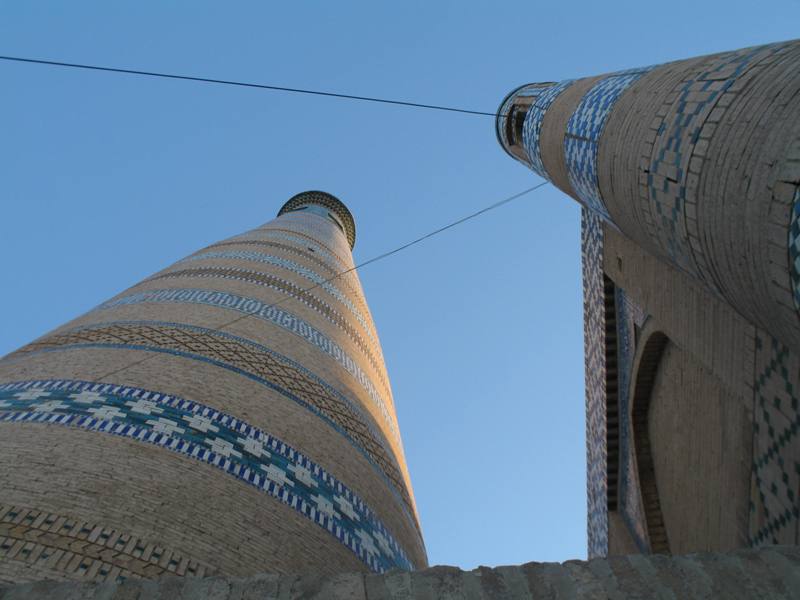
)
(372, 260)
(400, 248)
(261, 86)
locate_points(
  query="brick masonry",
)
(692, 169)
(231, 414)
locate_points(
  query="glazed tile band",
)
(271, 314)
(297, 292)
(583, 134)
(295, 268)
(336, 266)
(251, 360)
(533, 125)
(290, 235)
(247, 453)
(309, 255)
(69, 545)
(595, 374)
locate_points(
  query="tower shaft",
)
(230, 414)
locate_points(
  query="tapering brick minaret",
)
(689, 178)
(230, 414)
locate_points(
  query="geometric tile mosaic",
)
(533, 125)
(249, 359)
(343, 275)
(775, 499)
(309, 242)
(272, 314)
(595, 382)
(794, 248)
(678, 133)
(295, 268)
(583, 134)
(629, 316)
(68, 545)
(238, 449)
(290, 289)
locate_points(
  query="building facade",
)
(688, 175)
(230, 414)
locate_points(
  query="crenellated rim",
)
(326, 200)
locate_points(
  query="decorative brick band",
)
(297, 292)
(78, 548)
(208, 435)
(533, 125)
(310, 255)
(251, 360)
(295, 268)
(583, 134)
(594, 329)
(266, 312)
(794, 248)
(292, 235)
(775, 487)
(676, 157)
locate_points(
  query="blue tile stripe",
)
(533, 125)
(678, 133)
(583, 135)
(355, 410)
(271, 314)
(629, 316)
(293, 267)
(794, 248)
(333, 261)
(595, 385)
(216, 438)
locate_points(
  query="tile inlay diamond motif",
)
(237, 448)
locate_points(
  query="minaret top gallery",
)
(230, 414)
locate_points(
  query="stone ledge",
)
(771, 572)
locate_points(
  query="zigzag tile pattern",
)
(595, 373)
(215, 438)
(295, 268)
(51, 542)
(269, 313)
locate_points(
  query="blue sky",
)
(106, 178)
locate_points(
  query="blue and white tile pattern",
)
(583, 134)
(247, 453)
(533, 125)
(274, 315)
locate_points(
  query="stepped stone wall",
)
(769, 574)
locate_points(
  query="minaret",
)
(230, 414)
(688, 174)
(696, 161)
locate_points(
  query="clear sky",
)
(106, 178)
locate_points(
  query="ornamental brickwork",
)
(229, 415)
(688, 175)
